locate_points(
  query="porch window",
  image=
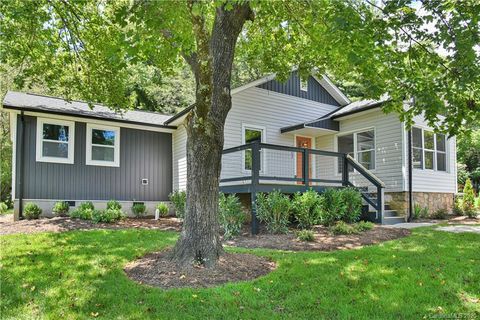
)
(251, 134)
(429, 150)
(359, 145)
(55, 141)
(103, 146)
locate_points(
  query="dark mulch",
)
(324, 240)
(60, 224)
(157, 270)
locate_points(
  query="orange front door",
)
(303, 142)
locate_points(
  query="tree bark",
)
(212, 66)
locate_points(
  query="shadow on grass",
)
(79, 275)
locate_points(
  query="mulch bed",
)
(61, 224)
(324, 240)
(157, 270)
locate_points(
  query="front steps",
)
(389, 216)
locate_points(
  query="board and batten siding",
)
(180, 158)
(435, 181)
(388, 149)
(143, 154)
(257, 108)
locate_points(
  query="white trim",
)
(303, 84)
(70, 143)
(263, 139)
(13, 136)
(424, 128)
(89, 145)
(253, 83)
(313, 163)
(355, 132)
(336, 93)
(94, 121)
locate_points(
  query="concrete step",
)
(390, 213)
(393, 220)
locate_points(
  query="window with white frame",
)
(103, 146)
(251, 134)
(429, 150)
(55, 140)
(359, 145)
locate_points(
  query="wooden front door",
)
(303, 142)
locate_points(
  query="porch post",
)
(380, 203)
(306, 165)
(255, 182)
(345, 170)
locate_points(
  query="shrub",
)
(306, 235)
(439, 214)
(308, 208)
(84, 211)
(139, 209)
(364, 226)
(3, 208)
(32, 211)
(334, 206)
(113, 204)
(469, 200)
(341, 227)
(108, 215)
(231, 215)
(163, 209)
(352, 204)
(61, 208)
(274, 210)
(457, 207)
(419, 212)
(179, 200)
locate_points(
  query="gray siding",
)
(143, 154)
(291, 87)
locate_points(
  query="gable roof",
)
(39, 103)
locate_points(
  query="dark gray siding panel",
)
(291, 87)
(143, 154)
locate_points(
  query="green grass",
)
(78, 275)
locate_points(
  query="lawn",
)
(78, 275)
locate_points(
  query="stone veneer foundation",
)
(434, 201)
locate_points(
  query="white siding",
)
(388, 148)
(436, 181)
(180, 158)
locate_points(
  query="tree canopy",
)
(93, 48)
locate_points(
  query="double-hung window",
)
(429, 150)
(55, 140)
(103, 146)
(359, 145)
(251, 134)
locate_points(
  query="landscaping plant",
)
(139, 209)
(163, 209)
(113, 204)
(352, 204)
(457, 207)
(84, 211)
(61, 208)
(231, 215)
(306, 235)
(3, 208)
(439, 214)
(469, 200)
(32, 211)
(308, 208)
(179, 200)
(274, 210)
(341, 227)
(364, 225)
(419, 212)
(335, 206)
(108, 215)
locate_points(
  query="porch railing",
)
(260, 178)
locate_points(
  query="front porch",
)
(260, 167)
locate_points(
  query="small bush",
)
(84, 211)
(231, 215)
(341, 227)
(469, 200)
(113, 204)
(107, 216)
(334, 206)
(3, 208)
(163, 209)
(439, 214)
(179, 200)
(457, 207)
(364, 226)
(306, 235)
(352, 204)
(139, 209)
(32, 211)
(61, 208)
(419, 212)
(274, 210)
(308, 208)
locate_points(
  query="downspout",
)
(21, 153)
(410, 175)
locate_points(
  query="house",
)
(66, 151)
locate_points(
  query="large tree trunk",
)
(212, 65)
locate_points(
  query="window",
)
(429, 150)
(359, 145)
(103, 146)
(55, 140)
(251, 134)
(304, 84)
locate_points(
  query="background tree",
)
(89, 48)
(468, 154)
